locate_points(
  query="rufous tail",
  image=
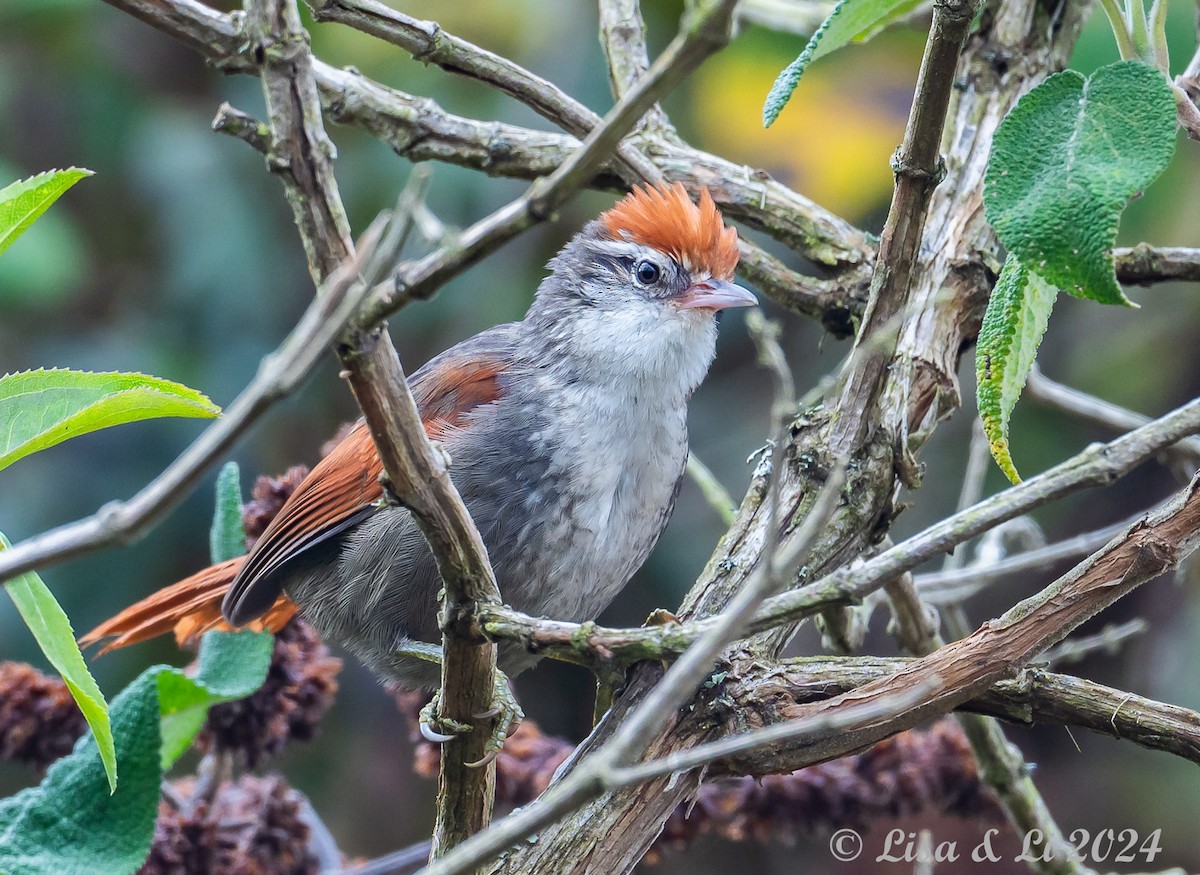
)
(190, 608)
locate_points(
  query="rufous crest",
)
(665, 218)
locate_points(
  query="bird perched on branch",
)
(567, 434)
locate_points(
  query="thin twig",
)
(914, 624)
(1145, 264)
(1185, 455)
(417, 473)
(1100, 464)
(705, 33)
(971, 491)
(1189, 79)
(710, 487)
(957, 585)
(279, 374)
(847, 720)
(1108, 640)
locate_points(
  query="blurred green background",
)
(179, 259)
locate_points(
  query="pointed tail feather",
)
(190, 608)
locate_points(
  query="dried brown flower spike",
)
(254, 826)
(39, 721)
(299, 689)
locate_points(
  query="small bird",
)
(567, 434)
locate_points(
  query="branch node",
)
(903, 166)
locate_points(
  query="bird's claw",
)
(484, 760)
(508, 716)
(428, 733)
(505, 710)
(432, 722)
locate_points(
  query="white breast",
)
(623, 387)
(630, 459)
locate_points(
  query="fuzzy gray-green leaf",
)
(1066, 161)
(227, 537)
(849, 20)
(1012, 330)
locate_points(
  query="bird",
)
(567, 439)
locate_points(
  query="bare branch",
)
(300, 153)
(1108, 640)
(279, 374)
(918, 169)
(1034, 696)
(710, 487)
(914, 624)
(1097, 465)
(623, 38)
(941, 587)
(1145, 264)
(1185, 454)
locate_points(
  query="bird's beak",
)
(715, 295)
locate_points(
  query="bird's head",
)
(642, 284)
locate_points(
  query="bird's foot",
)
(508, 716)
(434, 725)
(439, 729)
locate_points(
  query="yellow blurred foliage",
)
(834, 140)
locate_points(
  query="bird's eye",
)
(647, 272)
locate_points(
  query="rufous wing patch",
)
(343, 484)
(665, 218)
(447, 393)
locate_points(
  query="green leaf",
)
(52, 629)
(1012, 329)
(1064, 163)
(22, 202)
(70, 824)
(898, 12)
(849, 20)
(227, 537)
(39, 409)
(232, 665)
